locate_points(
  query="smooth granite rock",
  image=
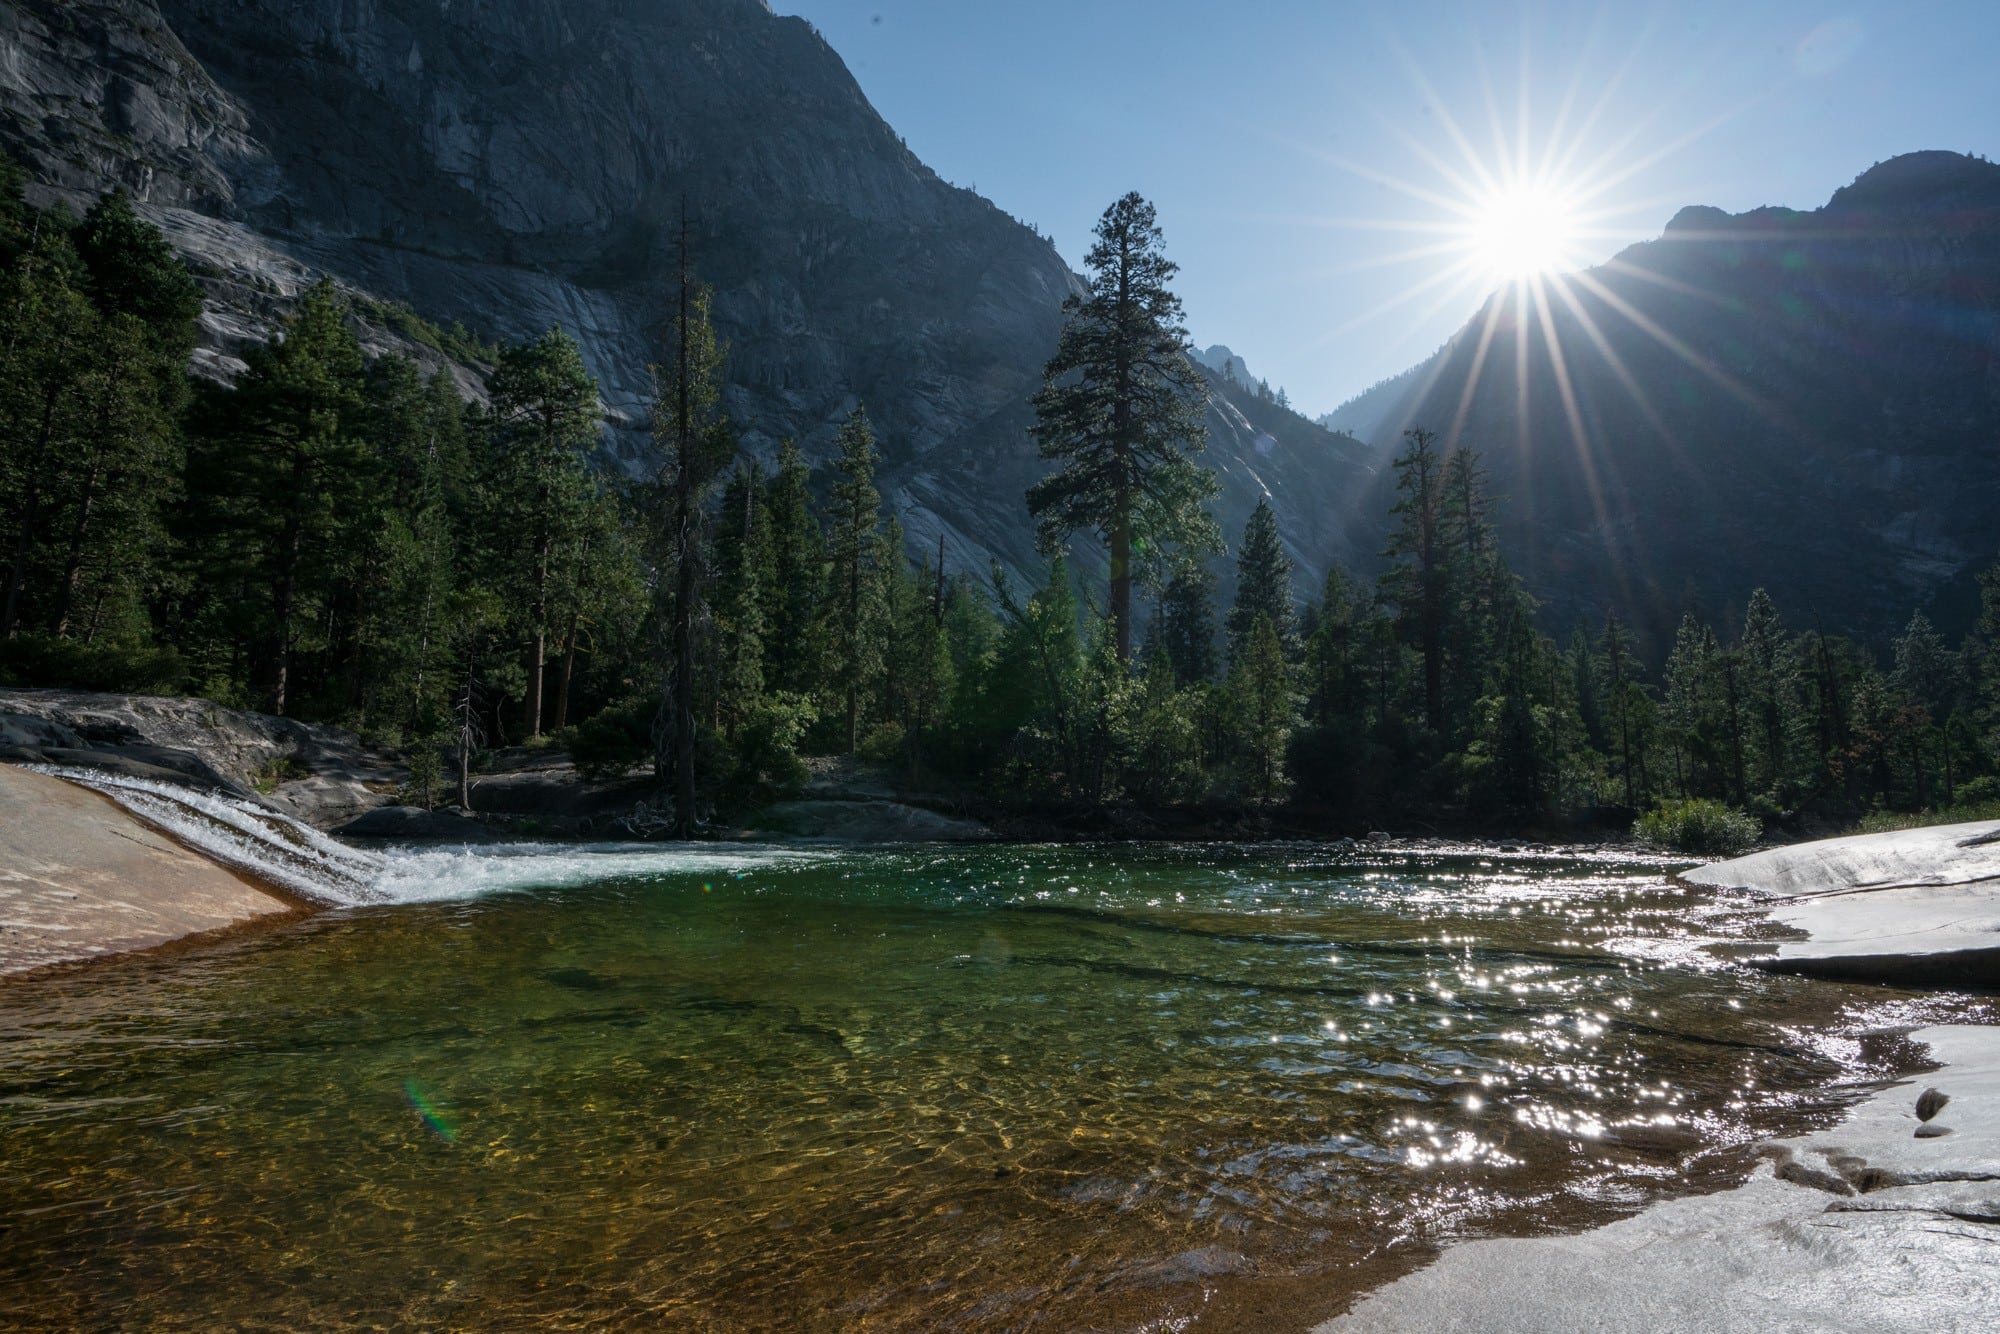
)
(79, 877)
(1917, 906)
(1900, 1236)
(320, 775)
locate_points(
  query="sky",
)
(1343, 183)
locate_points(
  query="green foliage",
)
(1184, 629)
(352, 542)
(44, 660)
(883, 744)
(854, 558)
(1260, 689)
(615, 740)
(1697, 825)
(1263, 584)
(453, 340)
(1961, 812)
(1120, 410)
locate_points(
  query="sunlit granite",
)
(1917, 906)
(79, 878)
(1886, 1223)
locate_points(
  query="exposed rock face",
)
(80, 878)
(320, 775)
(514, 164)
(1802, 400)
(1919, 907)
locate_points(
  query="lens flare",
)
(428, 1111)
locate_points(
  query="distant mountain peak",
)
(1922, 180)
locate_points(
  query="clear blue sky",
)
(1299, 151)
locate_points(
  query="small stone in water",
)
(1930, 1102)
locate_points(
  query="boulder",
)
(411, 824)
(321, 775)
(1917, 906)
(861, 822)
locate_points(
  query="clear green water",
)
(1002, 1088)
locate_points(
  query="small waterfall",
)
(276, 848)
(247, 837)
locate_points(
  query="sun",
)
(1522, 233)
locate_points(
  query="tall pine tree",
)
(1120, 409)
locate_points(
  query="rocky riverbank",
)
(1886, 1223)
(1919, 907)
(80, 878)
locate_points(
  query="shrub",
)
(611, 743)
(883, 744)
(39, 660)
(1698, 825)
(1978, 792)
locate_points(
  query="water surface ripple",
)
(997, 1088)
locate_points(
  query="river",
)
(1003, 1087)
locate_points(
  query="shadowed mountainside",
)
(519, 164)
(1804, 400)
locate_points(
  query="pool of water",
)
(996, 1088)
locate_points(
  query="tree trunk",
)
(73, 564)
(31, 504)
(684, 670)
(568, 674)
(531, 700)
(1121, 582)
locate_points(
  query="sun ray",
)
(1694, 360)
(1609, 352)
(1586, 457)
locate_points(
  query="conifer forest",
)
(443, 563)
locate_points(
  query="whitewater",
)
(271, 846)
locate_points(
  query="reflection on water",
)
(999, 1088)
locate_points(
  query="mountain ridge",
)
(524, 165)
(1802, 399)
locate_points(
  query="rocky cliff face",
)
(1804, 400)
(513, 164)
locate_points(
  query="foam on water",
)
(268, 844)
(426, 875)
(242, 835)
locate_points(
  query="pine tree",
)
(1120, 409)
(1263, 584)
(1184, 629)
(1688, 707)
(546, 406)
(742, 572)
(51, 332)
(1261, 692)
(1625, 705)
(797, 576)
(1768, 684)
(1418, 581)
(696, 444)
(281, 471)
(852, 551)
(1334, 654)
